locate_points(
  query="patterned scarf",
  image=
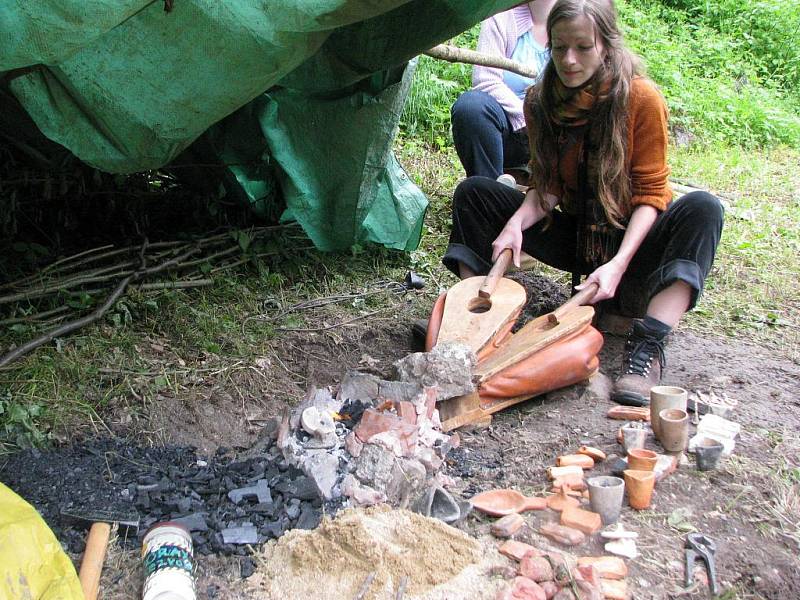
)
(597, 240)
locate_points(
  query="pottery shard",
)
(614, 589)
(374, 422)
(537, 568)
(574, 482)
(507, 526)
(585, 520)
(595, 453)
(629, 413)
(608, 567)
(568, 471)
(517, 550)
(563, 535)
(587, 581)
(579, 460)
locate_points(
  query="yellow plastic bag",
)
(32, 564)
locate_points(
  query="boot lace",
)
(641, 353)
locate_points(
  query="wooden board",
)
(474, 321)
(464, 410)
(537, 334)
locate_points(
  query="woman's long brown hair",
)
(608, 118)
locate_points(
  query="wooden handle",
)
(496, 273)
(578, 299)
(93, 558)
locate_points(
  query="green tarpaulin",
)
(309, 89)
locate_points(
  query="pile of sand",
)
(333, 561)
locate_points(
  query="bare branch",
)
(463, 55)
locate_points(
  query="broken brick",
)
(563, 535)
(525, 589)
(517, 550)
(584, 520)
(609, 567)
(614, 589)
(507, 526)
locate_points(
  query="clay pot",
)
(639, 485)
(707, 453)
(556, 472)
(640, 459)
(662, 397)
(579, 460)
(674, 424)
(605, 497)
(633, 437)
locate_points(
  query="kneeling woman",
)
(599, 203)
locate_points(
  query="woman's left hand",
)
(607, 278)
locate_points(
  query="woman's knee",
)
(702, 207)
(471, 106)
(470, 190)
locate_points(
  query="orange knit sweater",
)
(646, 155)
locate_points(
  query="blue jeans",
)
(483, 137)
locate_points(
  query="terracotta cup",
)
(665, 396)
(605, 497)
(674, 429)
(639, 485)
(640, 459)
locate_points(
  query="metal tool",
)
(703, 547)
(99, 522)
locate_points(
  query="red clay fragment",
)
(537, 568)
(507, 526)
(525, 589)
(550, 589)
(517, 550)
(608, 567)
(373, 422)
(584, 520)
(629, 413)
(563, 535)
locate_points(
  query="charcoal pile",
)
(225, 501)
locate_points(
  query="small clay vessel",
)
(562, 500)
(642, 460)
(605, 497)
(579, 460)
(595, 453)
(707, 453)
(674, 427)
(499, 503)
(639, 485)
(633, 437)
(662, 397)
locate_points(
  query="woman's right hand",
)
(510, 237)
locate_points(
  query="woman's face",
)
(577, 50)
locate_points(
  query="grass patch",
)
(750, 291)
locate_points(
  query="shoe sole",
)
(630, 399)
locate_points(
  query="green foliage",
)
(718, 84)
(437, 84)
(767, 32)
(19, 424)
(729, 69)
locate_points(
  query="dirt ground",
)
(749, 506)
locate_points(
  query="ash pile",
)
(373, 441)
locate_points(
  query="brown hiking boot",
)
(642, 364)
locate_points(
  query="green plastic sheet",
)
(311, 89)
